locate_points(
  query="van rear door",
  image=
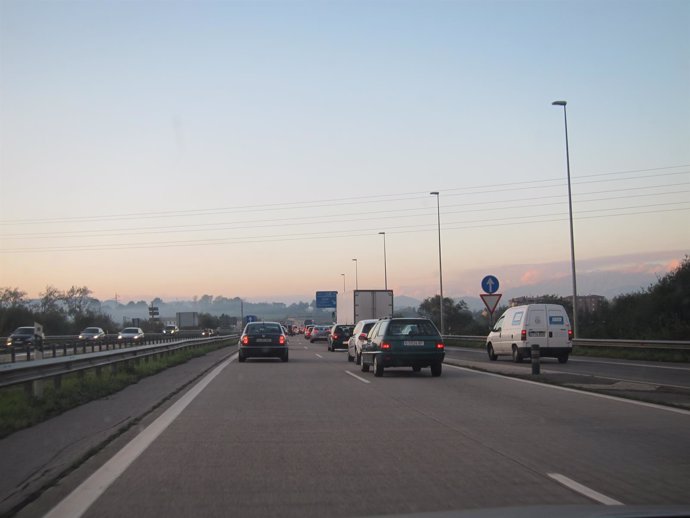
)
(558, 327)
(536, 325)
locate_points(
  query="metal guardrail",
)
(667, 345)
(35, 372)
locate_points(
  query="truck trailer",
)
(357, 305)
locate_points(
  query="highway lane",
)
(658, 373)
(306, 438)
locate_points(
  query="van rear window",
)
(517, 318)
(556, 320)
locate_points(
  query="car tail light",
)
(440, 346)
(335, 337)
(245, 340)
(570, 334)
(281, 340)
(523, 335)
(385, 345)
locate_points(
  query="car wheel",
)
(563, 358)
(240, 358)
(350, 358)
(416, 368)
(517, 357)
(365, 367)
(358, 358)
(492, 354)
(285, 357)
(378, 368)
(436, 369)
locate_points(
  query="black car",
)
(263, 339)
(28, 335)
(403, 342)
(339, 336)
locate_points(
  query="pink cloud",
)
(530, 277)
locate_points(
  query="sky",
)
(254, 149)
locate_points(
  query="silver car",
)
(359, 338)
(131, 333)
(92, 333)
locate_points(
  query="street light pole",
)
(344, 290)
(440, 268)
(356, 275)
(385, 267)
(570, 211)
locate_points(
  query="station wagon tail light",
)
(245, 340)
(570, 334)
(440, 346)
(523, 335)
(385, 345)
(281, 340)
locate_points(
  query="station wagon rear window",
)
(421, 328)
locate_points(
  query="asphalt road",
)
(657, 373)
(317, 437)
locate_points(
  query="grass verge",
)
(19, 409)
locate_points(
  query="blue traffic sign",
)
(326, 299)
(490, 284)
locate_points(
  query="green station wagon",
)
(403, 342)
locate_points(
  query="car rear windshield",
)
(367, 327)
(412, 328)
(24, 331)
(261, 329)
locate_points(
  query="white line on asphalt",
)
(627, 364)
(583, 490)
(306, 348)
(79, 500)
(358, 377)
(568, 389)
(319, 356)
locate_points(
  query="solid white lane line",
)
(583, 490)
(79, 500)
(306, 348)
(583, 392)
(627, 364)
(357, 377)
(319, 356)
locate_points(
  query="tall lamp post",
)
(356, 275)
(440, 269)
(570, 211)
(344, 290)
(385, 267)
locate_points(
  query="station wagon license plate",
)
(264, 340)
(413, 342)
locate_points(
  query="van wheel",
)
(378, 368)
(436, 369)
(563, 358)
(517, 357)
(492, 354)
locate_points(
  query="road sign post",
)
(490, 298)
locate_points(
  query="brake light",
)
(335, 337)
(440, 346)
(523, 335)
(570, 334)
(385, 345)
(282, 340)
(245, 340)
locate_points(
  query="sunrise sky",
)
(175, 148)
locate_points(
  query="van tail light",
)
(523, 335)
(385, 346)
(440, 346)
(570, 334)
(281, 340)
(245, 340)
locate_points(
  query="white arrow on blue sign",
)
(490, 284)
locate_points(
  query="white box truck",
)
(357, 305)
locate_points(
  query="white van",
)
(521, 326)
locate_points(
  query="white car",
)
(359, 338)
(131, 333)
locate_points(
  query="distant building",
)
(585, 303)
